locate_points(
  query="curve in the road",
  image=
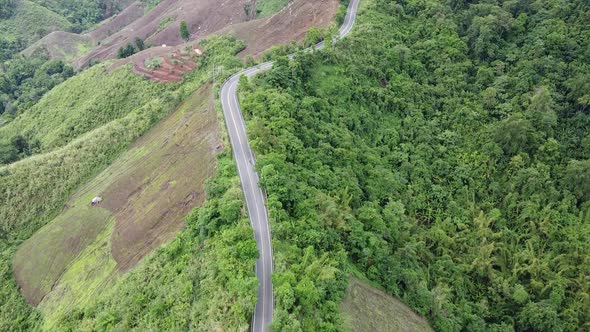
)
(255, 199)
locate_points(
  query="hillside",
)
(441, 148)
(99, 127)
(161, 25)
(43, 64)
(276, 22)
(146, 192)
(440, 152)
(25, 23)
(22, 22)
(69, 258)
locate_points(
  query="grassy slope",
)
(151, 164)
(61, 45)
(83, 103)
(33, 190)
(31, 22)
(366, 308)
(120, 106)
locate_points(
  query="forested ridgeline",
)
(443, 148)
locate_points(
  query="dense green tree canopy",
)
(442, 149)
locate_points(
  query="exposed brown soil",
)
(175, 63)
(202, 16)
(118, 22)
(290, 24)
(68, 235)
(148, 191)
(65, 45)
(150, 206)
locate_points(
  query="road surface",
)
(255, 199)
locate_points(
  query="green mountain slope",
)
(443, 149)
(81, 104)
(23, 22)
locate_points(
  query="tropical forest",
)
(428, 171)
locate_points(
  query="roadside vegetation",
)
(442, 148)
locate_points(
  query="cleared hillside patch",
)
(37, 264)
(61, 45)
(366, 308)
(86, 278)
(35, 190)
(146, 194)
(284, 27)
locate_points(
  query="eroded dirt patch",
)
(161, 25)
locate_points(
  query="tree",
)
(126, 51)
(577, 178)
(139, 43)
(184, 33)
(541, 109)
(6, 8)
(515, 134)
(8, 152)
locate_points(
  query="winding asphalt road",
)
(255, 199)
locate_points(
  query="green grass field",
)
(367, 309)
